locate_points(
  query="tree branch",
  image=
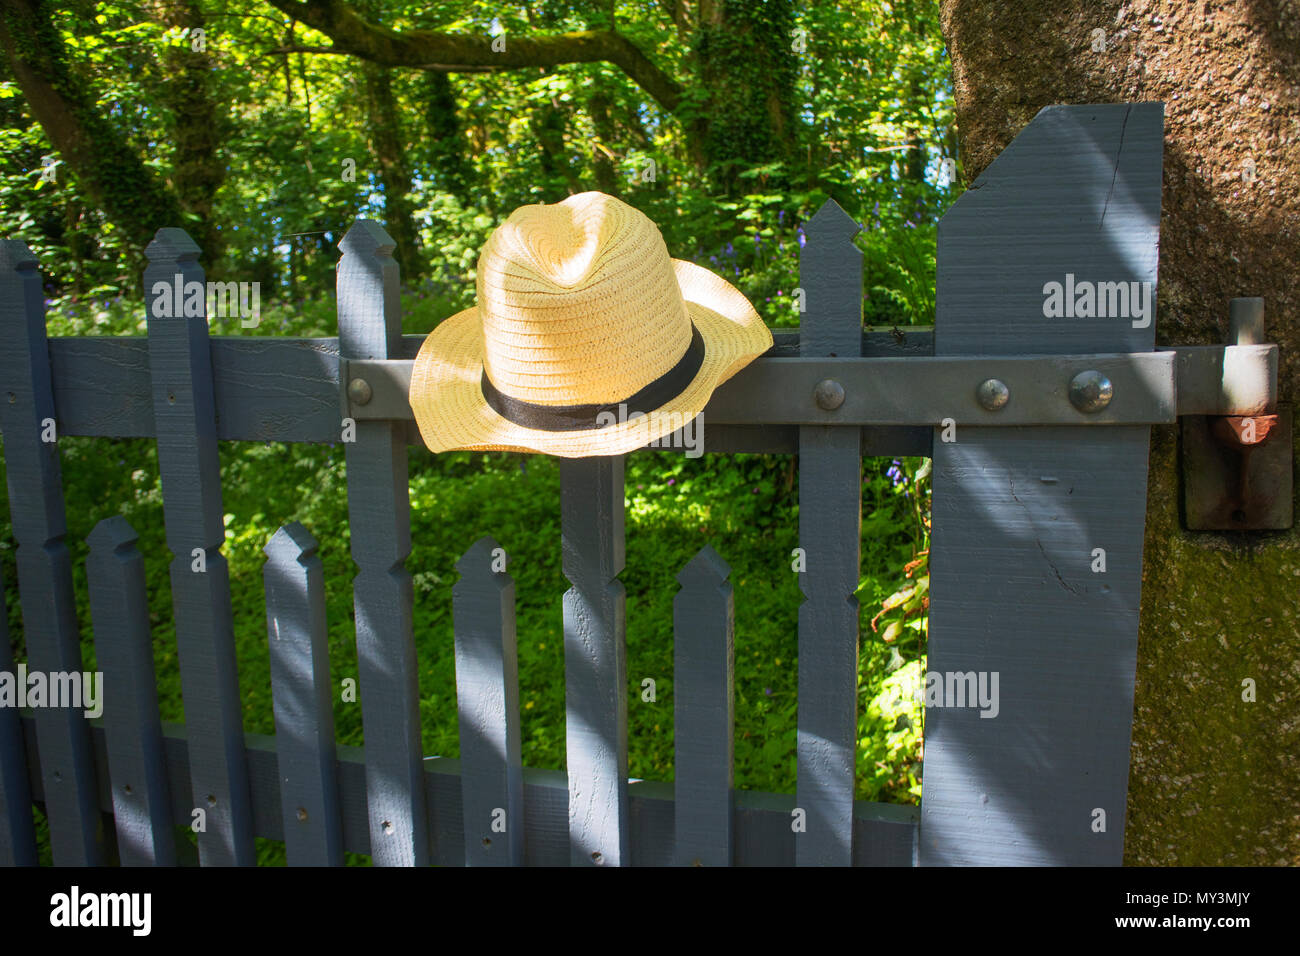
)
(422, 49)
(108, 168)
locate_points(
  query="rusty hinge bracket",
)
(1237, 469)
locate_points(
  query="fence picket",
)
(830, 529)
(595, 660)
(44, 563)
(379, 515)
(119, 614)
(302, 699)
(704, 713)
(17, 832)
(487, 699)
(184, 412)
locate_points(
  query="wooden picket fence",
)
(1017, 513)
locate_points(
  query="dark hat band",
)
(573, 418)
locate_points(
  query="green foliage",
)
(870, 80)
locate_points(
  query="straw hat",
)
(582, 322)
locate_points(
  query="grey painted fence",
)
(1018, 514)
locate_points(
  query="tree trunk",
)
(107, 167)
(452, 171)
(745, 62)
(598, 107)
(387, 146)
(198, 125)
(1213, 779)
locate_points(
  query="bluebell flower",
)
(730, 250)
(780, 217)
(802, 240)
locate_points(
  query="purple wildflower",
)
(780, 217)
(672, 481)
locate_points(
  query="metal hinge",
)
(1237, 468)
(1236, 438)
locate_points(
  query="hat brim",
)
(452, 414)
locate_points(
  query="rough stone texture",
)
(1214, 779)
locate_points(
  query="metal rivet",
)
(1091, 391)
(829, 394)
(359, 391)
(993, 394)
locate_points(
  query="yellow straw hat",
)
(586, 340)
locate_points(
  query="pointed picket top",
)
(292, 543)
(367, 237)
(832, 224)
(705, 569)
(172, 245)
(15, 256)
(112, 535)
(830, 274)
(476, 563)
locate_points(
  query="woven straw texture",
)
(578, 303)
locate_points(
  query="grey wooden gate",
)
(1038, 470)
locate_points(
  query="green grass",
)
(745, 506)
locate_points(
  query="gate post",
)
(1036, 553)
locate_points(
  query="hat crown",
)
(580, 303)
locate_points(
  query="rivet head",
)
(829, 394)
(993, 394)
(1091, 391)
(359, 391)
